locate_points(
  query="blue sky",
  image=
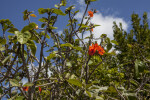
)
(12, 9)
(109, 11)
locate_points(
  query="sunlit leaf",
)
(42, 10)
(75, 82)
(99, 98)
(14, 82)
(7, 59)
(63, 2)
(52, 55)
(68, 64)
(58, 12)
(22, 37)
(67, 45)
(88, 93)
(56, 6)
(28, 84)
(115, 42)
(43, 19)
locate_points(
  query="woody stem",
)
(87, 70)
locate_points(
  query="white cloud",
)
(106, 23)
(59, 32)
(81, 2)
(24, 80)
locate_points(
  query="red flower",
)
(91, 50)
(90, 13)
(40, 89)
(96, 48)
(25, 88)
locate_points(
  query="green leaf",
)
(26, 28)
(28, 84)
(42, 10)
(63, 2)
(56, 6)
(75, 82)
(129, 94)
(67, 75)
(67, 45)
(136, 68)
(43, 19)
(96, 25)
(12, 30)
(135, 83)
(70, 8)
(43, 25)
(88, 93)
(109, 46)
(25, 13)
(14, 82)
(129, 45)
(19, 98)
(115, 42)
(32, 46)
(90, 62)
(58, 12)
(68, 64)
(6, 59)
(111, 89)
(31, 26)
(103, 35)
(76, 11)
(99, 98)
(103, 88)
(47, 36)
(52, 55)
(51, 27)
(2, 48)
(77, 48)
(3, 41)
(83, 26)
(22, 37)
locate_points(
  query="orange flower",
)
(91, 50)
(33, 15)
(100, 50)
(90, 13)
(96, 48)
(40, 89)
(92, 29)
(25, 88)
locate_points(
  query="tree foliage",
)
(65, 69)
